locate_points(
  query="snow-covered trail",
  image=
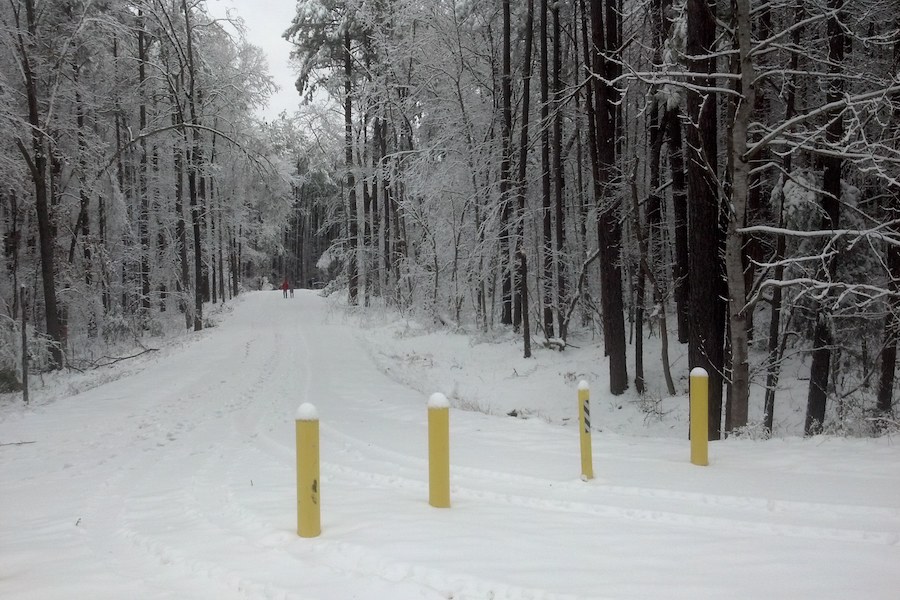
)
(178, 482)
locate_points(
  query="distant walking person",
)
(292, 289)
(284, 288)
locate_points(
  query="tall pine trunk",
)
(892, 321)
(547, 237)
(522, 186)
(609, 229)
(178, 158)
(558, 179)
(352, 262)
(196, 160)
(820, 369)
(506, 261)
(37, 165)
(144, 200)
(734, 239)
(681, 268)
(707, 331)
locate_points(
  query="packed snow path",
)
(178, 481)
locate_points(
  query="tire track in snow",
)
(351, 559)
(463, 489)
(123, 516)
(233, 420)
(474, 483)
(224, 510)
(762, 515)
(612, 502)
(207, 507)
(396, 469)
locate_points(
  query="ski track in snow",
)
(195, 487)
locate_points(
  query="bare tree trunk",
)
(506, 267)
(180, 229)
(521, 309)
(365, 240)
(194, 173)
(639, 299)
(609, 230)
(387, 208)
(646, 270)
(144, 200)
(707, 334)
(24, 326)
(235, 263)
(681, 269)
(523, 293)
(204, 196)
(12, 243)
(547, 239)
(774, 357)
(734, 240)
(374, 221)
(774, 341)
(892, 321)
(82, 223)
(37, 165)
(820, 369)
(221, 258)
(891, 330)
(211, 219)
(558, 180)
(352, 266)
(654, 201)
(591, 142)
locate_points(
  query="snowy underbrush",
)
(120, 349)
(9, 358)
(485, 372)
(39, 347)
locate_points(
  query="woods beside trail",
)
(722, 176)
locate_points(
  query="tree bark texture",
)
(609, 228)
(707, 331)
(820, 369)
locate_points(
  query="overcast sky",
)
(265, 21)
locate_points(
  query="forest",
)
(726, 173)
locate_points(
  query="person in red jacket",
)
(284, 287)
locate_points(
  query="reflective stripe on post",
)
(584, 427)
(309, 523)
(699, 416)
(439, 451)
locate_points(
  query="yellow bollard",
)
(699, 416)
(584, 426)
(309, 523)
(439, 451)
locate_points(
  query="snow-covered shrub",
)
(852, 301)
(9, 358)
(859, 261)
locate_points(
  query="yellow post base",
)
(439, 451)
(584, 427)
(309, 523)
(699, 416)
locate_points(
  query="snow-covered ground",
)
(173, 476)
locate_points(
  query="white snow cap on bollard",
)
(306, 412)
(699, 372)
(438, 400)
(583, 385)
